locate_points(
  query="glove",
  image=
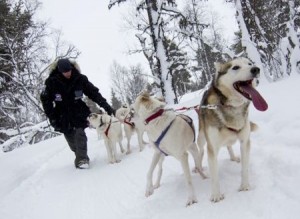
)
(110, 111)
(53, 123)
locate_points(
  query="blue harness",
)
(162, 135)
(164, 132)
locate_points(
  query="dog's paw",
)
(156, 186)
(149, 191)
(216, 197)
(118, 161)
(128, 152)
(235, 159)
(190, 201)
(245, 187)
(201, 172)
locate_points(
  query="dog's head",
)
(98, 120)
(94, 120)
(145, 105)
(240, 76)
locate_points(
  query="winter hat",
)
(64, 65)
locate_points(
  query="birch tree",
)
(159, 13)
(269, 34)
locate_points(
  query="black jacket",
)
(62, 99)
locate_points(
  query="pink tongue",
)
(258, 101)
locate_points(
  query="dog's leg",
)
(114, 152)
(231, 154)
(197, 159)
(149, 186)
(200, 143)
(245, 149)
(186, 169)
(98, 133)
(140, 139)
(121, 146)
(108, 150)
(143, 141)
(214, 171)
(128, 133)
(159, 173)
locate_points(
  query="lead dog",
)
(131, 127)
(169, 134)
(111, 131)
(223, 116)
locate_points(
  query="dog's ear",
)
(217, 66)
(222, 68)
(145, 96)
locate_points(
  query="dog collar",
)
(153, 116)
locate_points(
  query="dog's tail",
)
(253, 126)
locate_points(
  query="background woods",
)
(180, 45)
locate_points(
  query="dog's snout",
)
(255, 71)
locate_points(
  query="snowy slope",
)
(40, 182)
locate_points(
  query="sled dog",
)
(223, 116)
(111, 131)
(131, 127)
(169, 134)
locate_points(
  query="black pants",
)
(77, 142)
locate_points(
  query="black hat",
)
(64, 65)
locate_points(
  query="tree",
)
(127, 83)
(207, 49)
(159, 14)
(178, 67)
(23, 68)
(115, 102)
(269, 34)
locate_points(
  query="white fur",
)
(113, 136)
(139, 128)
(177, 142)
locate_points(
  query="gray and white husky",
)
(223, 116)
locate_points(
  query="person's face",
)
(67, 74)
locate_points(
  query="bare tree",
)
(127, 83)
(159, 14)
(23, 62)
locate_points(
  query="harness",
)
(162, 135)
(108, 127)
(164, 132)
(127, 121)
(189, 122)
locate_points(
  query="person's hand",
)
(53, 123)
(110, 111)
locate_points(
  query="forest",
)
(180, 46)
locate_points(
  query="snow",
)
(40, 181)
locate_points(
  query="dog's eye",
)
(235, 67)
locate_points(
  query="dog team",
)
(223, 116)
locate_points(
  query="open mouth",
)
(248, 91)
(240, 85)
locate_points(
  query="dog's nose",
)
(255, 71)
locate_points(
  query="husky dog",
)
(169, 134)
(111, 132)
(130, 127)
(223, 116)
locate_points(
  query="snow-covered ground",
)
(40, 181)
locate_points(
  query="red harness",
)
(153, 116)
